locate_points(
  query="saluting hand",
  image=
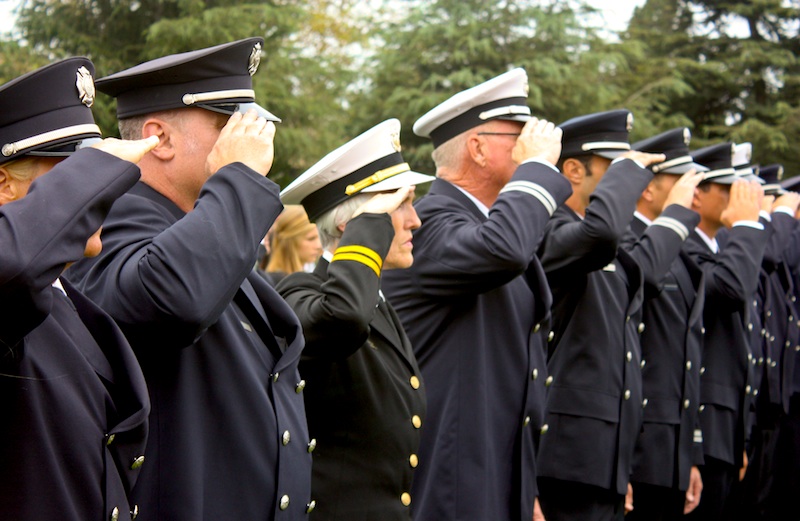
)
(386, 203)
(245, 139)
(644, 158)
(539, 139)
(789, 199)
(132, 151)
(682, 192)
(744, 203)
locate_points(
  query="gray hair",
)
(328, 223)
(131, 128)
(449, 154)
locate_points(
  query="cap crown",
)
(47, 111)
(502, 97)
(674, 144)
(602, 133)
(208, 78)
(718, 159)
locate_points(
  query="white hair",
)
(450, 153)
(328, 223)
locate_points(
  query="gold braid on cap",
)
(377, 177)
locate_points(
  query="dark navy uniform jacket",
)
(218, 346)
(731, 282)
(471, 305)
(672, 340)
(73, 399)
(594, 404)
(365, 398)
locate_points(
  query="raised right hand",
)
(744, 203)
(132, 151)
(386, 202)
(245, 139)
(539, 139)
(682, 192)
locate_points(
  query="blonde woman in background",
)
(294, 244)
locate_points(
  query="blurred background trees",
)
(333, 68)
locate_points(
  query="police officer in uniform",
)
(723, 199)
(218, 346)
(666, 480)
(475, 298)
(594, 403)
(74, 400)
(365, 397)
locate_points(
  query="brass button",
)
(769, 313)
(275, 377)
(747, 389)
(703, 330)
(405, 498)
(761, 361)
(544, 429)
(300, 386)
(702, 408)
(644, 403)
(750, 326)
(416, 421)
(773, 364)
(286, 438)
(284, 502)
(526, 421)
(413, 460)
(549, 381)
(628, 356)
(797, 349)
(769, 361)
(686, 404)
(134, 512)
(137, 463)
(702, 370)
(536, 328)
(312, 445)
(310, 507)
(641, 327)
(627, 394)
(110, 438)
(688, 365)
(642, 364)
(534, 374)
(551, 336)
(115, 514)
(755, 392)
(414, 381)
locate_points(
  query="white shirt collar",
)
(482, 207)
(642, 218)
(712, 243)
(57, 284)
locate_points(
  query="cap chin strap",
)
(9, 149)
(200, 97)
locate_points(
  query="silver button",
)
(702, 370)
(544, 429)
(526, 421)
(773, 364)
(747, 389)
(628, 356)
(312, 445)
(750, 326)
(310, 507)
(749, 356)
(284, 502)
(641, 327)
(628, 318)
(688, 365)
(797, 349)
(701, 408)
(137, 463)
(549, 381)
(644, 403)
(763, 332)
(115, 514)
(534, 374)
(286, 438)
(769, 361)
(275, 377)
(761, 361)
(791, 318)
(686, 404)
(772, 338)
(134, 512)
(110, 438)
(536, 328)
(551, 336)
(788, 344)
(769, 313)
(642, 364)
(755, 392)
(627, 394)
(300, 386)
(703, 330)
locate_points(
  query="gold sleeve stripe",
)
(357, 257)
(363, 250)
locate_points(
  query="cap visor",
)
(682, 169)
(399, 181)
(609, 154)
(230, 108)
(727, 179)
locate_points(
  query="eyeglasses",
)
(515, 134)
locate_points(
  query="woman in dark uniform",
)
(365, 399)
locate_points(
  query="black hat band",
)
(497, 109)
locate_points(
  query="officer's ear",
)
(476, 146)
(573, 170)
(158, 127)
(647, 193)
(9, 189)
